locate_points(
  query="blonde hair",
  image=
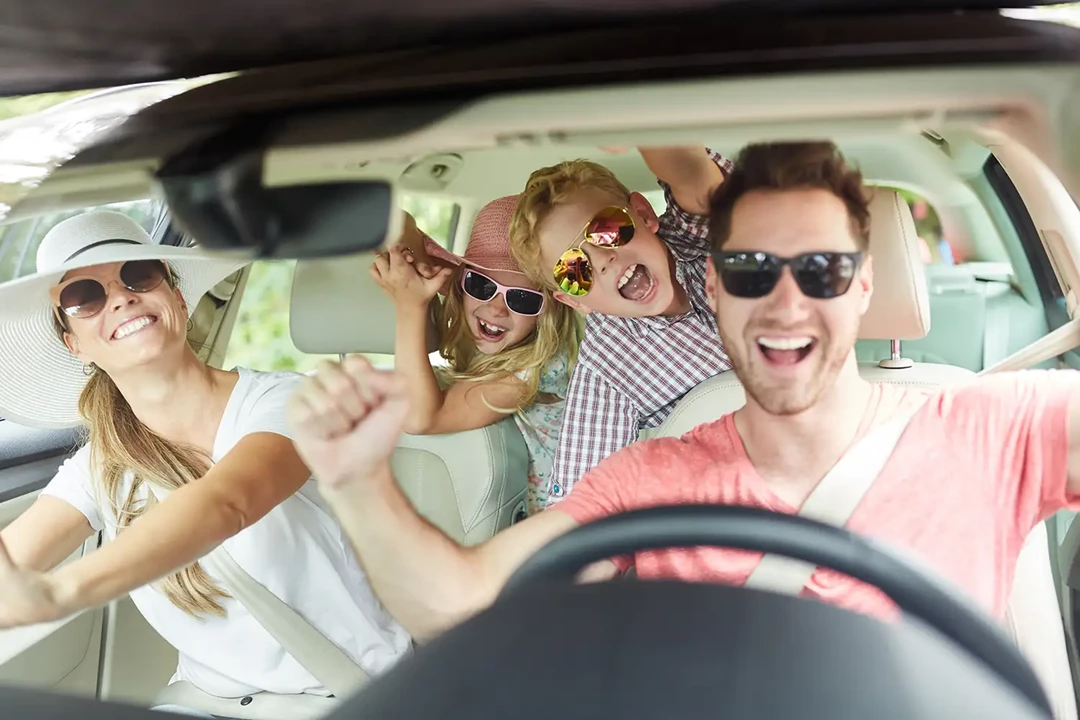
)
(557, 330)
(121, 445)
(547, 189)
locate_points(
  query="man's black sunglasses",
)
(820, 275)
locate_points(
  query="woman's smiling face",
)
(132, 328)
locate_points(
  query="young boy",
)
(650, 332)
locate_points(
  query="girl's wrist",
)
(412, 310)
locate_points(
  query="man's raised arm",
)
(347, 419)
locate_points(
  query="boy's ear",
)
(571, 301)
(644, 210)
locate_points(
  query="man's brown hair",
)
(791, 166)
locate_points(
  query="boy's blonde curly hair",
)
(547, 189)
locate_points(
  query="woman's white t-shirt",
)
(297, 551)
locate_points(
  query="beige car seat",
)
(468, 484)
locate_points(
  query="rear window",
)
(435, 216)
(933, 241)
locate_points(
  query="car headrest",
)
(337, 307)
(900, 306)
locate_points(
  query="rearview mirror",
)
(215, 192)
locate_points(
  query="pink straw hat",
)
(489, 241)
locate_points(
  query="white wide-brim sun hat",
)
(40, 380)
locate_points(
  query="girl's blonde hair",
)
(558, 330)
(122, 446)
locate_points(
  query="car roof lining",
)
(909, 161)
(868, 112)
(71, 44)
(903, 160)
(877, 117)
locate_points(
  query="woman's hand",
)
(397, 274)
(27, 596)
(346, 420)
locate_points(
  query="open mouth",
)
(636, 283)
(785, 351)
(132, 326)
(490, 332)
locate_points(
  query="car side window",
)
(19, 240)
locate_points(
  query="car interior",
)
(990, 149)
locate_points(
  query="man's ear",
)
(644, 210)
(571, 301)
(711, 279)
(866, 284)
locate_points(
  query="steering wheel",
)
(913, 590)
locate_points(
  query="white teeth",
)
(493, 329)
(626, 276)
(785, 343)
(132, 326)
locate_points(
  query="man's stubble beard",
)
(787, 399)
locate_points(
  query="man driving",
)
(790, 277)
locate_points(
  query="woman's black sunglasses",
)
(820, 275)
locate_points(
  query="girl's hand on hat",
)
(427, 266)
(411, 244)
(420, 262)
(403, 281)
(27, 596)
(346, 419)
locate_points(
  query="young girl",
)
(509, 346)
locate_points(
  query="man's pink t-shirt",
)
(976, 469)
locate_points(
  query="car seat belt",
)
(834, 500)
(335, 670)
(1058, 342)
(1066, 337)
